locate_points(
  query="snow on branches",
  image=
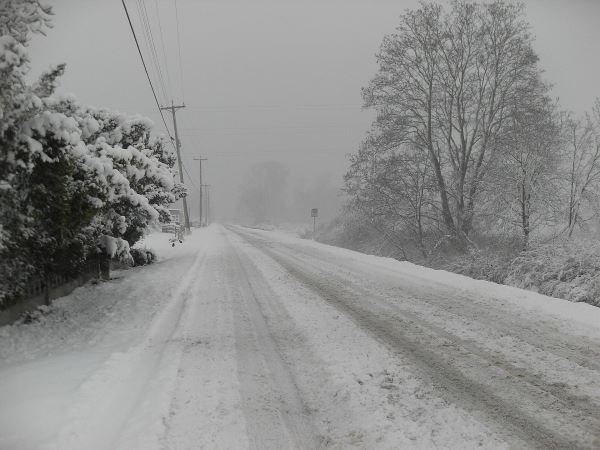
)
(74, 180)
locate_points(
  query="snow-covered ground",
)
(244, 338)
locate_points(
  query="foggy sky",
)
(274, 80)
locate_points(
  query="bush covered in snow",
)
(142, 256)
(353, 231)
(74, 180)
(481, 265)
(563, 269)
(568, 270)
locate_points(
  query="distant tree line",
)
(467, 140)
(74, 180)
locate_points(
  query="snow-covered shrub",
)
(19, 102)
(142, 256)
(146, 164)
(115, 248)
(135, 168)
(481, 265)
(37, 315)
(569, 270)
(487, 258)
(74, 180)
(352, 231)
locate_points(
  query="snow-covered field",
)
(244, 338)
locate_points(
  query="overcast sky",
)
(273, 80)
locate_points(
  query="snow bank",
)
(533, 302)
(79, 375)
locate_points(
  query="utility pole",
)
(200, 168)
(207, 186)
(174, 108)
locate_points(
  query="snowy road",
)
(248, 339)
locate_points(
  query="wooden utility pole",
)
(207, 186)
(174, 108)
(200, 168)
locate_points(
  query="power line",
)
(155, 96)
(151, 45)
(146, 36)
(277, 107)
(324, 127)
(188, 174)
(271, 108)
(313, 152)
(179, 50)
(162, 41)
(146, 70)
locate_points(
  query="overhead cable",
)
(146, 27)
(146, 70)
(179, 50)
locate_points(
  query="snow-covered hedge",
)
(74, 180)
(481, 265)
(568, 270)
(142, 256)
(562, 269)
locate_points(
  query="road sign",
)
(314, 212)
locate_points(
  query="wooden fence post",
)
(46, 287)
(104, 266)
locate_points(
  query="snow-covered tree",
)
(581, 167)
(136, 168)
(521, 191)
(19, 20)
(445, 85)
(74, 180)
(393, 189)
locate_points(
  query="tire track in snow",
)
(537, 349)
(560, 399)
(115, 410)
(275, 414)
(414, 338)
(462, 304)
(560, 367)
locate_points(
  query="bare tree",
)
(582, 158)
(393, 189)
(445, 86)
(524, 184)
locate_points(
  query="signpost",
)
(314, 213)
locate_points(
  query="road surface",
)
(243, 338)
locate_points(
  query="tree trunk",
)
(525, 216)
(103, 267)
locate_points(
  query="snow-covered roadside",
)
(531, 302)
(269, 364)
(529, 374)
(360, 393)
(87, 354)
(251, 339)
(205, 408)
(290, 229)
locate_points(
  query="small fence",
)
(41, 291)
